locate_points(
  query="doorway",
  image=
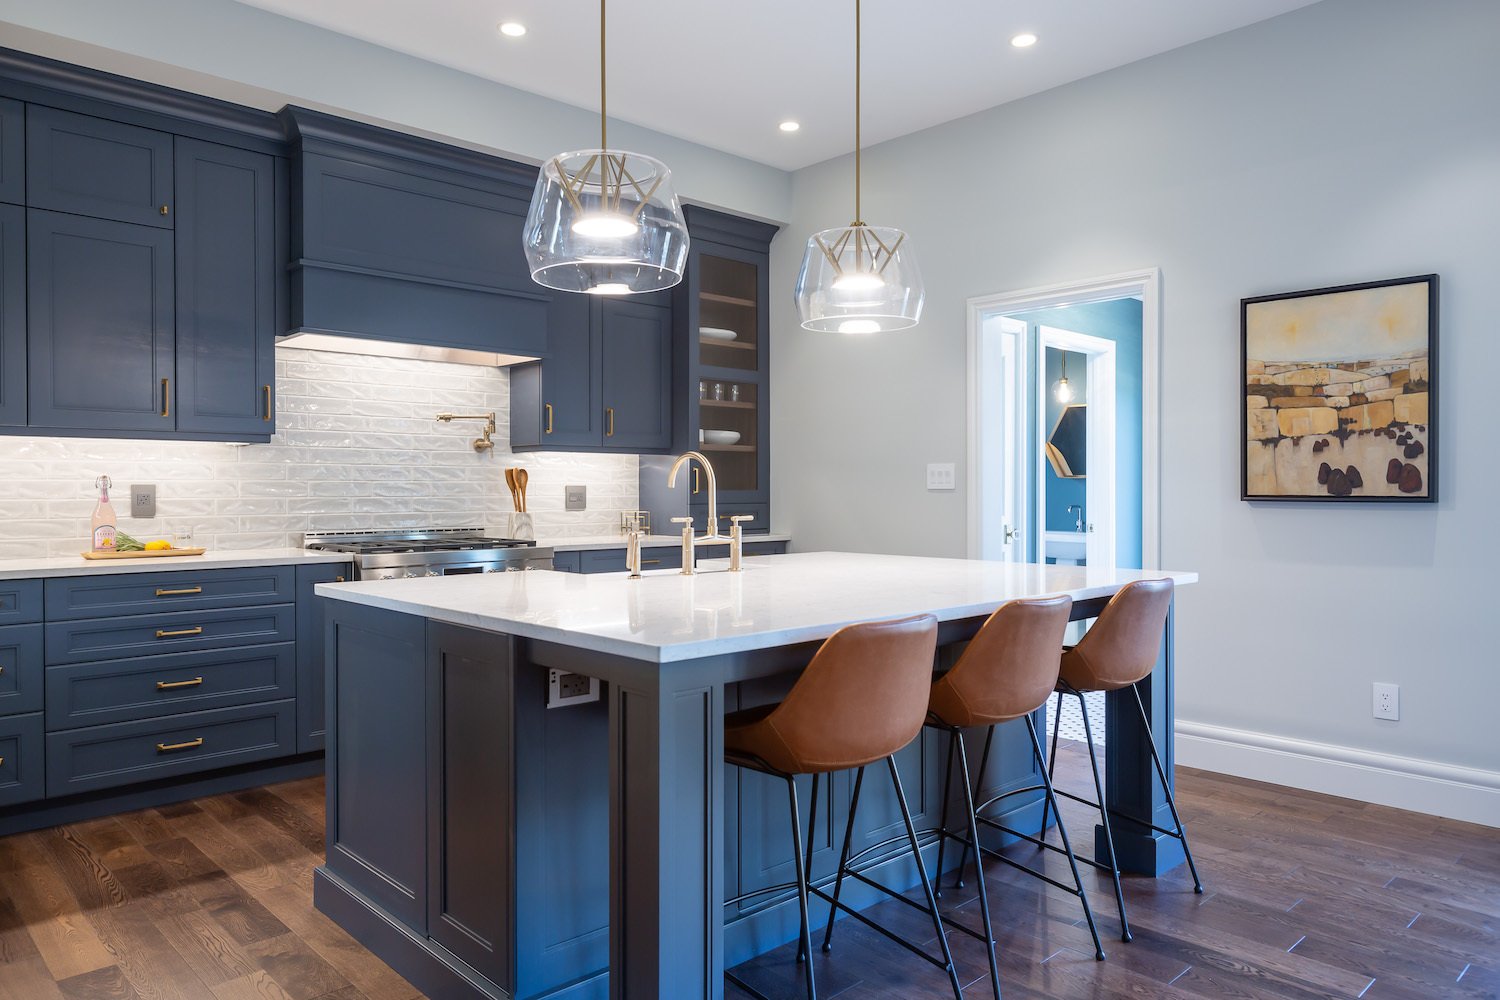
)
(1076, 487)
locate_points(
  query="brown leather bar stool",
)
(1119, 651)
(860, 700)
(1008, 671)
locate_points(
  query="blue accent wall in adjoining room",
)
(1119, 321)
(1063, 492)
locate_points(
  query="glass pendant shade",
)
(607, 223)
(1063, 390)
(859, 279)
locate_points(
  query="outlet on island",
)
(565, 688)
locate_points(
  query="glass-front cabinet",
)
(727, 345)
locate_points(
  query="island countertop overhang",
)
(667, 617)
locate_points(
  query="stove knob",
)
(491, 569)
(433, 572)
(412, 573)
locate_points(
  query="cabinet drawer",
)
(760, 511)
(20, 669)
(179, 631)
(22, 777)
(613, 560)
(765, 548)
(81, 760)
(99, 168)
(147, 687)
(20, 601)
(179, 590)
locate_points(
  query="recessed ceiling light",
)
(512, 29)
(789, 126)
(1024, 40)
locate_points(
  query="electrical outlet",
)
(143, 500)
(565, 688)
(942, 476)
(1388, 701)
(577, 497)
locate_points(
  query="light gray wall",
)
(244, 54)
(1348, 141)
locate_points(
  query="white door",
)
(997, 442)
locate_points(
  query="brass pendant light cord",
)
(857, 216)
(603, 113)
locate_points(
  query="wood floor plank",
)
(297, 967)
(28, 979)
(108, 983)
(55, 921)
(258, 985)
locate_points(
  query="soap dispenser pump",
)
(102, 524)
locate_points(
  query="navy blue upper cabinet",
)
(226, 289)
(12, 152)
(12, 315)
(102, 169)
(404, 239)
(636, 360)
(99, 305)
(570, 378)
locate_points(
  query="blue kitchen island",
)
(485, 845)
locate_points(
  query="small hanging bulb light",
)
(859, 279)
(1062, 390)
(603, 221)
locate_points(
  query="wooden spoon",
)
(521, 479)
(510, 483)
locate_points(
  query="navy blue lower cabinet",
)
(116, 594)
(12, 315)
(23, 777)
(91, 166)
(227, 269)
(177, 631)
(12, 152)
(20, 669)
(144, 687)
(377, 761)
(100, 324)
(20, 601)
(470, 815)
(613, 560)
(311, 675)
(125, 753)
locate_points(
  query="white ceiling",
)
(724, 72)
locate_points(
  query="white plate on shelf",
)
(719, 437)
(716, 333)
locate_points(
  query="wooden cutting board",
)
(154, 554)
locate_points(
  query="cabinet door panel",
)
(99, 304)
(12, 152)
(469, 804)
(12, 315)
(226, 289)
(636, 359)
(98, 168)
(311, 673)
(571, 377)
(23, 776)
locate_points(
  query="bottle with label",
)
(102, 524)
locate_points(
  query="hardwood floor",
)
(1307, 897)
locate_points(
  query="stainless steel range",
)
(393, 555)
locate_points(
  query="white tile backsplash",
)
(355, 447)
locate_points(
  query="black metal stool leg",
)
(838, 885)
(805, 938)
(943, 821)
(1062, 831)
(984, 900)
(1051, 762)
(812, 822)
(1166, 786)
(1109, 836)
(916, 850)
(963, 857)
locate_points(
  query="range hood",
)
(404, 247)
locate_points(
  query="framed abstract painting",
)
(1340, 392)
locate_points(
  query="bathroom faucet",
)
(1077, 524)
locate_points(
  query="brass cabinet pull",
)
(650, 562)
(338, 579)
(169, 747)
(267, 389)
(609, 414)
(165, 210)
(165, 634)
(548, 408)
(166, 395)
(2, 761)
(695, 479)
(174, 685)
(164, 592)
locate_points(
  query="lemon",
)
(158, 545)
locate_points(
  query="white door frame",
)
(983, 347)
(1101, 482)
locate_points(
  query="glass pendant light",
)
(859, 279)
(1062, 390)
(605, 221)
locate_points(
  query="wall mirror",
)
(1067, 445)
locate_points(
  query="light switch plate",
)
(942, 476)
(577, 497)
(143, 500)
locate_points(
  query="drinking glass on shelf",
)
(734, 393)
(719, 391)
(702, 389)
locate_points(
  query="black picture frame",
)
(1358, 418)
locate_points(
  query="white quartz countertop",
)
(579, 543)
(776, 601)
(47, 566)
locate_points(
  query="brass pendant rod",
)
(603, 113)
(857, 216)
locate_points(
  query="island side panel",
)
(1130, 784)
(666, 850)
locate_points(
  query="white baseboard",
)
(1463, 793)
